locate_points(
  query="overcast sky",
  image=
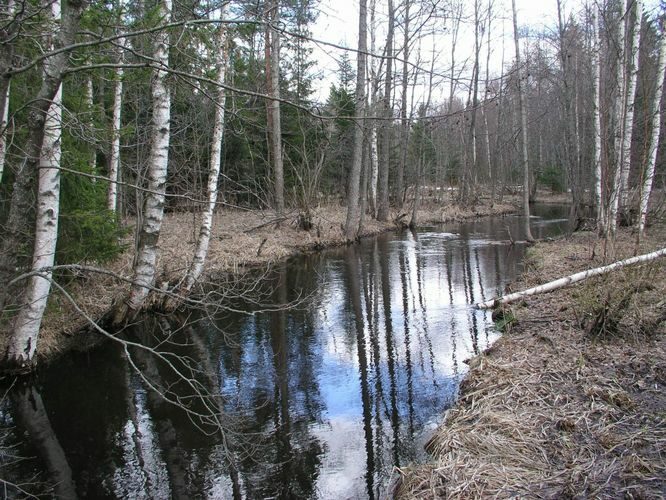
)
(338, 23)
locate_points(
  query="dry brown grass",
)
(552, 411)
(240, 240)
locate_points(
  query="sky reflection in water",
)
(336, 391)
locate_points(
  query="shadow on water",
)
(316, 401)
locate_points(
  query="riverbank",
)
(571, 401)
(241, 240)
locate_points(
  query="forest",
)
(142, 139)
(128, 111)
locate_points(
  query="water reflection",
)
(320, 401)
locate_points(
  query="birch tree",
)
(596, 93)
(351, 223)
(404, 130)
(6, 16)
(153, 208)
(619, 114)
(383, 174)
(18, 222)
(114, 157)
(523, 123)
(201, 250)
(653, 143)
(630, 98)
(23, 343)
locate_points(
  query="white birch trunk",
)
(4, 106)
(630, 97)
(90, 105)
(23, 342)
(4, 120)
(153, 209)
(197, 266)
(114, 159)
(619, 113)
(598, 182)
(523, 125)
(654, 140)
(574, 278)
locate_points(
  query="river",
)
(335, 372)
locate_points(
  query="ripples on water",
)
(323, 399)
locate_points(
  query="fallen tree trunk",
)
(568, 280)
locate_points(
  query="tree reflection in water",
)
(318, 401)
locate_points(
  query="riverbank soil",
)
(241, 240)
(571, 401)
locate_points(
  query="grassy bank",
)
(240, 240)
(571, 401)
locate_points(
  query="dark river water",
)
(321, 399)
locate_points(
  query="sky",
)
(338, 24)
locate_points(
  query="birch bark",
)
(5, 83)
(22, 201)
(25, 334)
(598, 181)
(114, 160)
(153, 208)
(648, 178)
(619, 114)
(197, 265)
(523, 122)
(627, 131)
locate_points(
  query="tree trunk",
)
(5, 82)
(619, 114)
(630, 97)
(114, 159)
(274, 125)
(523, 133)
(596, 91)
(145, 265)
(484, 111)
(383, 177)
(196, 268)
(4, 121)
(22, 201)
(404, 139)
(23, 341)
(574, 278)
(351, 224)
(373, 89)
(654, 139)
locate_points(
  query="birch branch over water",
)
(569, 280)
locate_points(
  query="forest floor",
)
(241, 240)
(571, 401)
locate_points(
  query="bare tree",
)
(523, 133)
(653, 141)
(201, 250)
(23, 342)
(153, 211)
(404, 130)
(114, 159)
(383, 175)
(6, 15)
(596, 91)
(351, 224)
(273, 89)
